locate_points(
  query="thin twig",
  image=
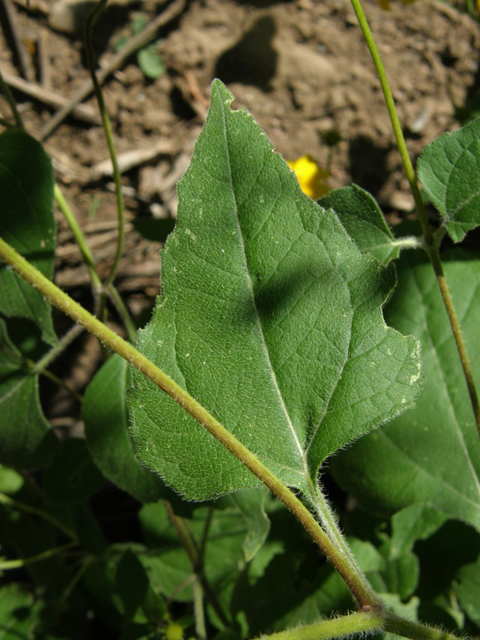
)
(17, 42)
(46, 96)
(136, 42)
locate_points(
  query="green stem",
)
(333, 628)
(123, 312)
(392, 112)
(196, 559)
(59, 382)
(409, 242)
(79, 239)
(12, 102)
(99, 290)
(88, 36)
(199, 613)
(356, 582)
(22, 562)
(331, 527)
(4, 499)
(63, 343)
(408, 629)
(431, 245)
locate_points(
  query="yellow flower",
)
(311, 177)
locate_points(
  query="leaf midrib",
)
(271, 371)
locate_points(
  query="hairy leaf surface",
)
(432, 455)
(27, 224)
(449, 169)
(362, 218)
(270, 317)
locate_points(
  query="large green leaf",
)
(270, 317)
(432, 454)
(105, 417)
(27, 224)
(449, 169)
(362, 218)
(26, 439)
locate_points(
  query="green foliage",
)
(432, 454)
(26, 440)
(271, 315)
(449, 172)
(26, 185)
(149, 58)
(105, 417)
(364, 222)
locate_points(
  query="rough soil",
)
(301, 67)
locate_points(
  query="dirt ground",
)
(301, 67)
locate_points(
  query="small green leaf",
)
(105, 417)
(431, 455)
(363, 220)
(28, 225)
(449, 170)
(151, 62)
(72, 477)
(26, 439)
(270, 317)
(468, 590)
(19, 613)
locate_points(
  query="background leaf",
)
(270, 317)
(432, 454)
(26, 438)
(27, 224)
(363, 219)
(72, 476)
(106, 419)
(468, 590)
(449, 170)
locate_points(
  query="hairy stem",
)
(333, 628)
(431, 244)
(417, 631)
(355, 581)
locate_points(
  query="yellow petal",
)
(311, 177)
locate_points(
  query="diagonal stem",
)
(355, 580)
